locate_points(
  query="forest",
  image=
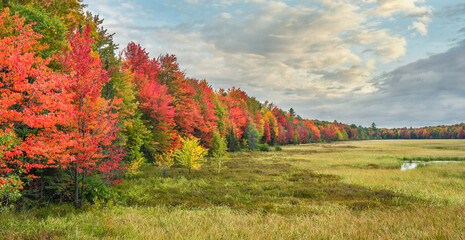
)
(79, 114)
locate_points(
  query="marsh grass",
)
(434, 158)
(253, 185)
(316, 191)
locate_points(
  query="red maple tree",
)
(33, 103)
(92, 126)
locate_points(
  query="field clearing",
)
(329, 190)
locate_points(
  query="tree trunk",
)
(82, 189)
(76, 186)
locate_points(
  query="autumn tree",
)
(71, 12)
(33, 104)
(186, 109)
(93, 125)
(218, 150)
(266, 132)
(207, 120)
(133, 133)
(166, 160)
(461, 134)
(191, 154)
(155, 103)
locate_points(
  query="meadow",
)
(352, 189)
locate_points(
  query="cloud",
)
(409, 9)
(451, 11)
(118, 15)
(388, 8)
(303, 46)
(127, 6)
(420, 27)
(225, 15)
(392, 47)
(426, 92)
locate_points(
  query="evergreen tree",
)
(252, 136)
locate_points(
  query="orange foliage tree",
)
(33, 104)
(92, 126)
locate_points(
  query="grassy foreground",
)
(330, 191)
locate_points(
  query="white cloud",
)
(385, 44)
(302, 47)
(225, 15)
(419, 27)
(408, 8)
(426, 92)
(388, 8)
(127, 5)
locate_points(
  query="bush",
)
(278, 148)
(97, 189)
(9, 192)
(263, 147)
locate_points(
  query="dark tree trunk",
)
(76, 186)
(82, 189)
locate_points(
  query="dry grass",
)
(330, 222)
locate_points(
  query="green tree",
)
(252, 135)
(218, 150)
(233, 142)
(51, 28)
(292, 112)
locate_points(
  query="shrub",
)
(263, 147)
(9, 192)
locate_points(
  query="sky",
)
(398, 63)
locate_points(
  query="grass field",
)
(324, 191)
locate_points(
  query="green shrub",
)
(263, 147)
(97, 189)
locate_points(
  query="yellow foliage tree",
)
(191, 154)
(273, 123)
(219, 150)
(339, 136)
(166, 160)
